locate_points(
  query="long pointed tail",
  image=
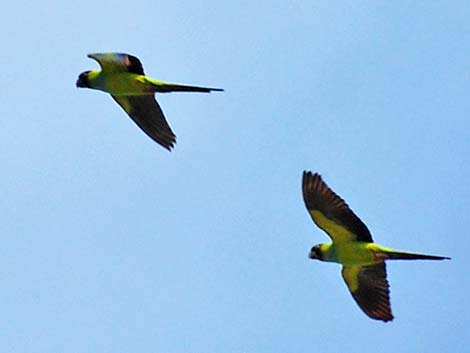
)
(398, 255)
(165, 87)
(171, 87)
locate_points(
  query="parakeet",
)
(363, 260)
(122, 76)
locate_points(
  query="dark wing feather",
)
(133, 64)
(370, 289)
(318, 196)
(148, 115)
(118, 62)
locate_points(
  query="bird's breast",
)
(125, 84)
(355, 253)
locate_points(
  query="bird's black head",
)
(316, 253)
(83, 80)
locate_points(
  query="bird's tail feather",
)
(164, 87)
(183, 88)
(398, 255)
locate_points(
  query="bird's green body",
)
(129, 84)
(122, 76)
(363, 260)
(118, 84)
(357, 253)
(351, 253)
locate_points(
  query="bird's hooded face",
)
(316, 253)
(83, 80)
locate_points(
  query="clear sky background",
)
(109, 243)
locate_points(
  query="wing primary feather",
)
(319, 197)
(147, 114)
(134, 65)
(370, 289)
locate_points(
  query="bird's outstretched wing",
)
(330, 212)
(148, 115)
(369, 288)
(118, 62)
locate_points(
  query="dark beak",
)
(80, 83)
(83, 80)
(312, 255)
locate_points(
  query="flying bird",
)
(122, 76)
(363, 260)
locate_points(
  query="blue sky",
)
(112, 244)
